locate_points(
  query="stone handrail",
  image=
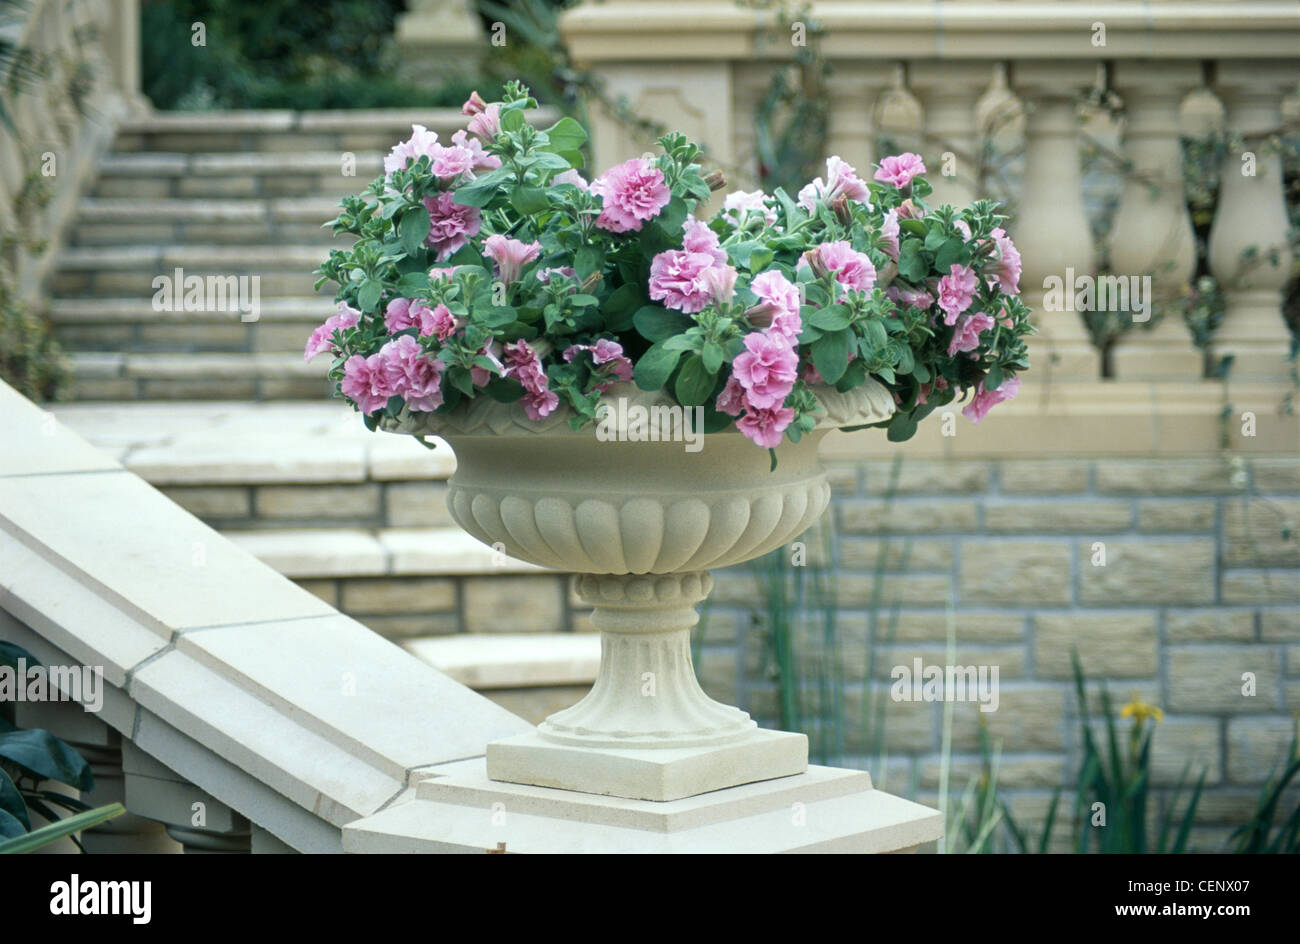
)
(86, 57)
(224, 684)
(945, 68)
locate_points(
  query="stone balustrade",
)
(930, 75)
(84, 75)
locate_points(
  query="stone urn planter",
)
(639, 524)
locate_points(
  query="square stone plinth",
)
(647, 773)
(825, 809)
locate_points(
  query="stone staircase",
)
(224, 416)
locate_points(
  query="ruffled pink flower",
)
(510, 255)
(985, 400)
(907, 210)
(720, 281)
(766, 427)
(403, 313)
(779, 304)
(320, 340)
(737, 205)
(421, 143)
(481, 160)
(767, 369)
(957, 291)
(449, 163)
(852, 269)
(632, 192)
(841, 180)
(889, 232)
(545, 275)
(605, 353)
(487, 123)
(523, 364)
(440, 322)
(481, 376)
(450, 224)
(900, 169)
(571, 176)
(411, 374)
(442, 272)
(969, 329)
(677, 279)
(732, 398)
(1007, 271)
(365, 382)
(697, 237)
(910, 297)
(473, 105)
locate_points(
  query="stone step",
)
(268, 174)
(113, 375)
(87, 271)
(128, 222)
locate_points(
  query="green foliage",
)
(30, 359)
(1258, 835)
(64, 828)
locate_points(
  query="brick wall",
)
(1200, 584)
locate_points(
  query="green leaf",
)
(911, 264)
(652, 370)
(935, 238)
(512, 119)
(496, 316)
(12, 802)
(368, 296)
(656, 323)
(529, 200)
(712, 356)
(480, 192)
(566, 135)
(673, 216)
(47, 757)
(694, 382)
(901, 428)
(64, 827)
(834, 318)
(830, 354)
(915, 227)
(412, 284)
(951, 253)
(587, 260)
(414, 228)
(683, 342)
(993, 379)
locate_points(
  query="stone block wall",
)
(1174, 578)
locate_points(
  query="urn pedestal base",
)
(648, 773)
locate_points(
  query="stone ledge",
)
(512, 660)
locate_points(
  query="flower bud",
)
(715, 179)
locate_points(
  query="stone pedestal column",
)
(855, 88)
(1152, 232)
(193, 818)
(1252, 216)
(949, 92)
(439, 40)
(1051, 229)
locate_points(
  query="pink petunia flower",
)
(571, 176)
(481, 160)
(1007, 271)
(766, 427)
(732, 398)
(486, 124)
(889, 232)
(910, 297)
(449, 163)
(957, 291)
(767, 369)
(737, 205)
(525, 365)
(510, 255)
(440, 322)
(900, 169)
(985, 400)
(365, 383)
(473, 105)
(422, 142)
(677, 279)
(969, 329)
(697, 237)
(411, 374)
(852, 269)
(779, 304)
(481, 376)
(841, 180)
(632, 192)
(450, 225)
(320, 340)
(720, 281)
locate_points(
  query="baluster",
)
(200, 823)
(949, 93)
(1152, 232)
(1051, 229)
(1252, 215)
(854, 88)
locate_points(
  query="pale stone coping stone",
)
(210, 122)
(446, 551)
(122, 538)
(35, 442)
(260, 257)
(399, 119)
(96, 364)
(144, 164)
(81, 258)
(223, 366)
(980, 30)
(307, 209)
(512, 660)
(452, 811)
(276, 162)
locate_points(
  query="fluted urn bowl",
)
(639, 512)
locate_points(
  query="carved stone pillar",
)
(442, 39)
(949, 93)
(855, 88)
(1051, 229)
(1252, 218)
(1152, 232)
